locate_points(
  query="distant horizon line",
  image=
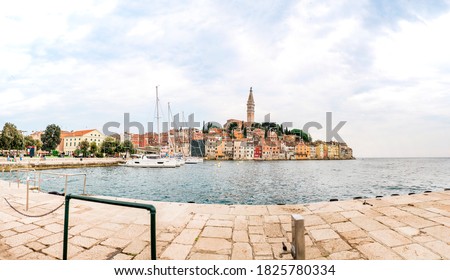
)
(401, 157)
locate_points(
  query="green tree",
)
(77, 152)
(120, 148)
(51, 137)
(256, 125)
(232, 126)
(268, 125)
(84, 147)
(93, 148)
(38, 144)
(301, 134)
(11, 138)
(108, 146)
(29, 141)
(128, 146)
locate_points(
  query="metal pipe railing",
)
(148, 207)
(66, 179)
(37, 182)
(17, 171)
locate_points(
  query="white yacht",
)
(193, 160)
(151, 161)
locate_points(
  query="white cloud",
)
(85, 63)
(417, 50)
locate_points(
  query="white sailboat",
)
(153, 160)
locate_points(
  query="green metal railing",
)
(148, 207)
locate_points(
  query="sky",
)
(381, 66)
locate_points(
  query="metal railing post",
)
(153, 235)
(65, 186)
(148, 207)
(298, 237)
(84, 184)
(66, 227)
(28, 194)
(39, 181)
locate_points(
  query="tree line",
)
(12, 138)
(279, 129)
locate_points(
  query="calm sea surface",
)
(277, 182)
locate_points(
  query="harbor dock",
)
(408, 227)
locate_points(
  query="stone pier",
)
(401, 227)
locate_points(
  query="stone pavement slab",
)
(410, 227)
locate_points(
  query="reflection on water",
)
(281, 182)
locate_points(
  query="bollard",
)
(298, 237)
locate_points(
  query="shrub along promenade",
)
(398, 227)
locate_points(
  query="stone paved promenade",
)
(401, 227)
(51, 163)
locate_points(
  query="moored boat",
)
(151, 161)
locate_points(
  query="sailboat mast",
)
(168, 126)
(157, 117)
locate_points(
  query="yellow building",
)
(220, 153)
(70, 141)
(302, 151)
(333, 150)
(320, 150)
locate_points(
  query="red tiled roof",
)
(76, 133)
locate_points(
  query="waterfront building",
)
(272, 136)
(36, 135)
(196, 134)
(258, 133)
(276, 151)
(288, 149)
(238, 150)
(211, 148)
(312, 151)
(302, 151)
(258, 152)
(227, 148)
(249, 149)
(333, 150)
(319, 150)
(71, 140)
(345, 151)
(266, 151)
(238, 134)
(220, 152)
(215, 131)
(138, 140)
(289, 138)
(274, 147)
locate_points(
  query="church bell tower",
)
(250, 108)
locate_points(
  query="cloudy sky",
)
(382, 66)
